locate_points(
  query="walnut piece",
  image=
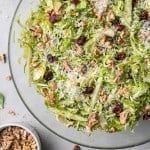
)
(16, 138)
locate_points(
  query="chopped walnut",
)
(97, 52)
(44, 92)
(124, 34)
(36, 31)
(53, 86)
(99, 17)
(93, 63)
(120, 41)
(110, 16)
(142, 36)
(103, 96)
(58, 7)
(103, 38)
(48, 11)
(118, 76)
(11, 112)
(107, 26)
(56, 10)
(111, 64)
(41, 45)
(16, 138)
(44, 38)
(148, 64)
(50, 44)
(66, 65)
(108, 44)
(123, 117)
(35, 64)
(147, 108)
(82, 24)
(79, 49)
(93, 120)
(3, 58)
(8, 77)
(51, 98)
(112, 129)
(123, 91)
(74, 81)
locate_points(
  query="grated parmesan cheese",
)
(100, 6)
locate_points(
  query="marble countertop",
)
(12, 100)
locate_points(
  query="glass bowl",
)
(27, 128)
(35, 102)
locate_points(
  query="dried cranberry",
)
(48, 75)
(118, 108)
(54, 18)
(76, 147)
(119, 26)
(81, 40)
(120, 56)
(144, 15)
(51, 58)
(88, 90)
(146, 117)
(75, 1)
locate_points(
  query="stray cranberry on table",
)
(76, 147)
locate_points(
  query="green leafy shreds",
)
(1, 101)
(89, 79)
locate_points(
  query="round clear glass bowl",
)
(35, 102)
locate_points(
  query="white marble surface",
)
(13, 101)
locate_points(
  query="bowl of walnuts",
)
(19, 136)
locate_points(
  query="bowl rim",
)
(27, 127)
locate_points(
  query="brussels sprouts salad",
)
(90, 60)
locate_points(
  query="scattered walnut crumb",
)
(11, 112)
(3, 58)
(8, 78)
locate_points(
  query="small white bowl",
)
(26, 127)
